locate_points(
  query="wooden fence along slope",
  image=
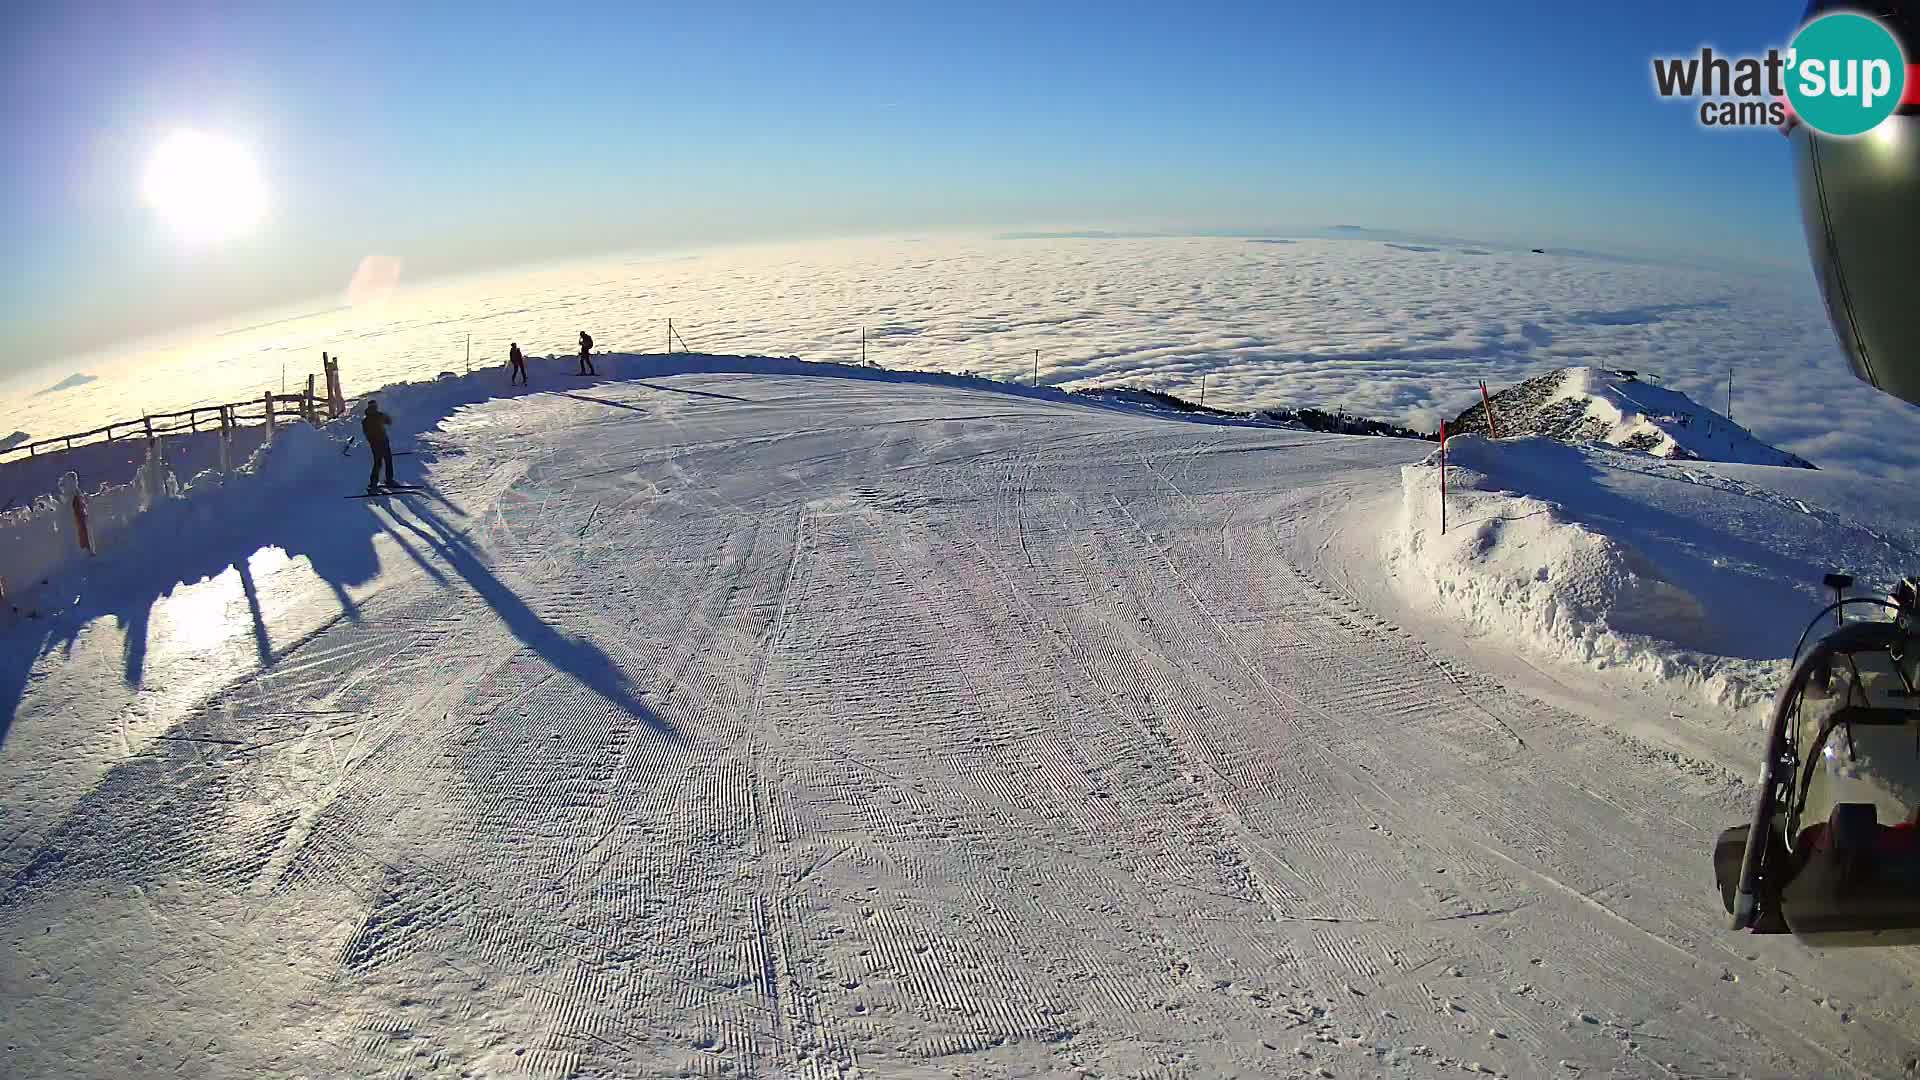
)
(269, 409)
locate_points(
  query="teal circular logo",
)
(1845, 74)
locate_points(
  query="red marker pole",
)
(1443, 478)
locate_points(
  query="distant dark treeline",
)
(1341, 423)
(1338, 423)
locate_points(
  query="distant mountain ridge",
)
(68, 383)
(1620, 409)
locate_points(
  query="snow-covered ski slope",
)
(782, 725)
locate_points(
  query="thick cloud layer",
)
(1402, 332)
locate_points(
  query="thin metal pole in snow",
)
(1443, 478)
(863, 346)
(1203, 389)
(1036, 367)
(469, 352)
(1729, 392)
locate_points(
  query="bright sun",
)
(205, 187)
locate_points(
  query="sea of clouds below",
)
(1394, 331)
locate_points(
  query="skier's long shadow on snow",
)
(578, 658)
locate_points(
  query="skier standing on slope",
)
(586, 354)
(519, 362)
(374, 426)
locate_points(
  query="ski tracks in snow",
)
(871, 730)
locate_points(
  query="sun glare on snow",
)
(205, 187)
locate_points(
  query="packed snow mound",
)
(1697, 575)
(157, 508)
(1618, 408)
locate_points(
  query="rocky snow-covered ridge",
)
(1620, 409)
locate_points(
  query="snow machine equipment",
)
(1832, 854)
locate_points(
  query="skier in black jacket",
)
(374, 426)
(586, 354)
(519, 362)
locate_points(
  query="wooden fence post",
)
(1492, 430)
(336, 399)
(80, 522)
(268, 398)
(309, 410)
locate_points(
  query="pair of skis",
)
(388, 489)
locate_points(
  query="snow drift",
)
(42, 536)
(1618, 408)
(1697, 575)
(109, 464)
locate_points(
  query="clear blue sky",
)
(461, 136)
